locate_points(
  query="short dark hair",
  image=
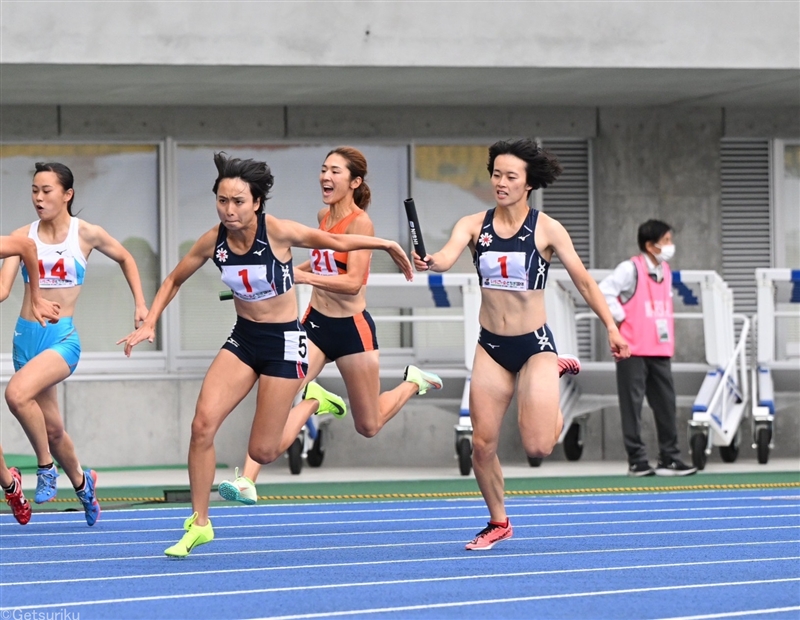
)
(255, 173)
(64, 174)
(541, 167)
(652, 230)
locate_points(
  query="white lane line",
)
(248, 513)
(292, 567)
(736, 614)
(680, 532)
(386, 546)
(140, 599)
(100, 531)
(524, 599)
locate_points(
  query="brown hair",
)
(357, 165)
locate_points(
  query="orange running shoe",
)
(489, 536)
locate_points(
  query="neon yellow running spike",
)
(195, 536)
(328, 401)
(425, 380)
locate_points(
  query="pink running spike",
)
(489, 536)
(568, 365)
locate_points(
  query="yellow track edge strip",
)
(685, 487)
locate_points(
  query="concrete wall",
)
(130, 423)
(648, 162)
(757, 35)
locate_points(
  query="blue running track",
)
(697, 554)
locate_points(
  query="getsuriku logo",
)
(485, 239)
(222, 255)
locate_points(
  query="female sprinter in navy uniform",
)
(512, 247)
(338, 325)
(267, 345)
(43, 357)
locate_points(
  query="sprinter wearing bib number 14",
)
(513, 245)
(267, 345)
(46, 355)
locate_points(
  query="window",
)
(116, 187)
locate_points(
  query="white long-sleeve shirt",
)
(620, 286)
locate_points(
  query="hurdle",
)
(775, 290)
(413, 302)
(723, 398)
(718, 400)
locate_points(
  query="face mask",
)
(667, 252)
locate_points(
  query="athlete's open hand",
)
(142, 333)
(401, 260)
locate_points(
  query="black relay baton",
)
(413, 224)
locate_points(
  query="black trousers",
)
(638, 377)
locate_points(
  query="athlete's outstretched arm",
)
(559, 240)
(349, 283)
(289, 233)
(17, 246)
(463, 233)
(104, 243)
(199, 253)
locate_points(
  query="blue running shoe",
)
(45, 484)
(88, 498)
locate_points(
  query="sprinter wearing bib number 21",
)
(268, 344)
(513, 245)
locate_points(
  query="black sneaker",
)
(674, 468)
(640, 469)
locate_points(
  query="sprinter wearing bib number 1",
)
(512, 246)
(268, 344)
(46, 355)
(339, 328)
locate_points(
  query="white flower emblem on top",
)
(485, 239)
(222, 255)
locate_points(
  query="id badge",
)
(662, 329)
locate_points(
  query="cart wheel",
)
(730, 453)
(464, 449)
(317, 452)
(573, 447)
(763, 437)
(698, 446)
(534, 461)
(296, 456)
